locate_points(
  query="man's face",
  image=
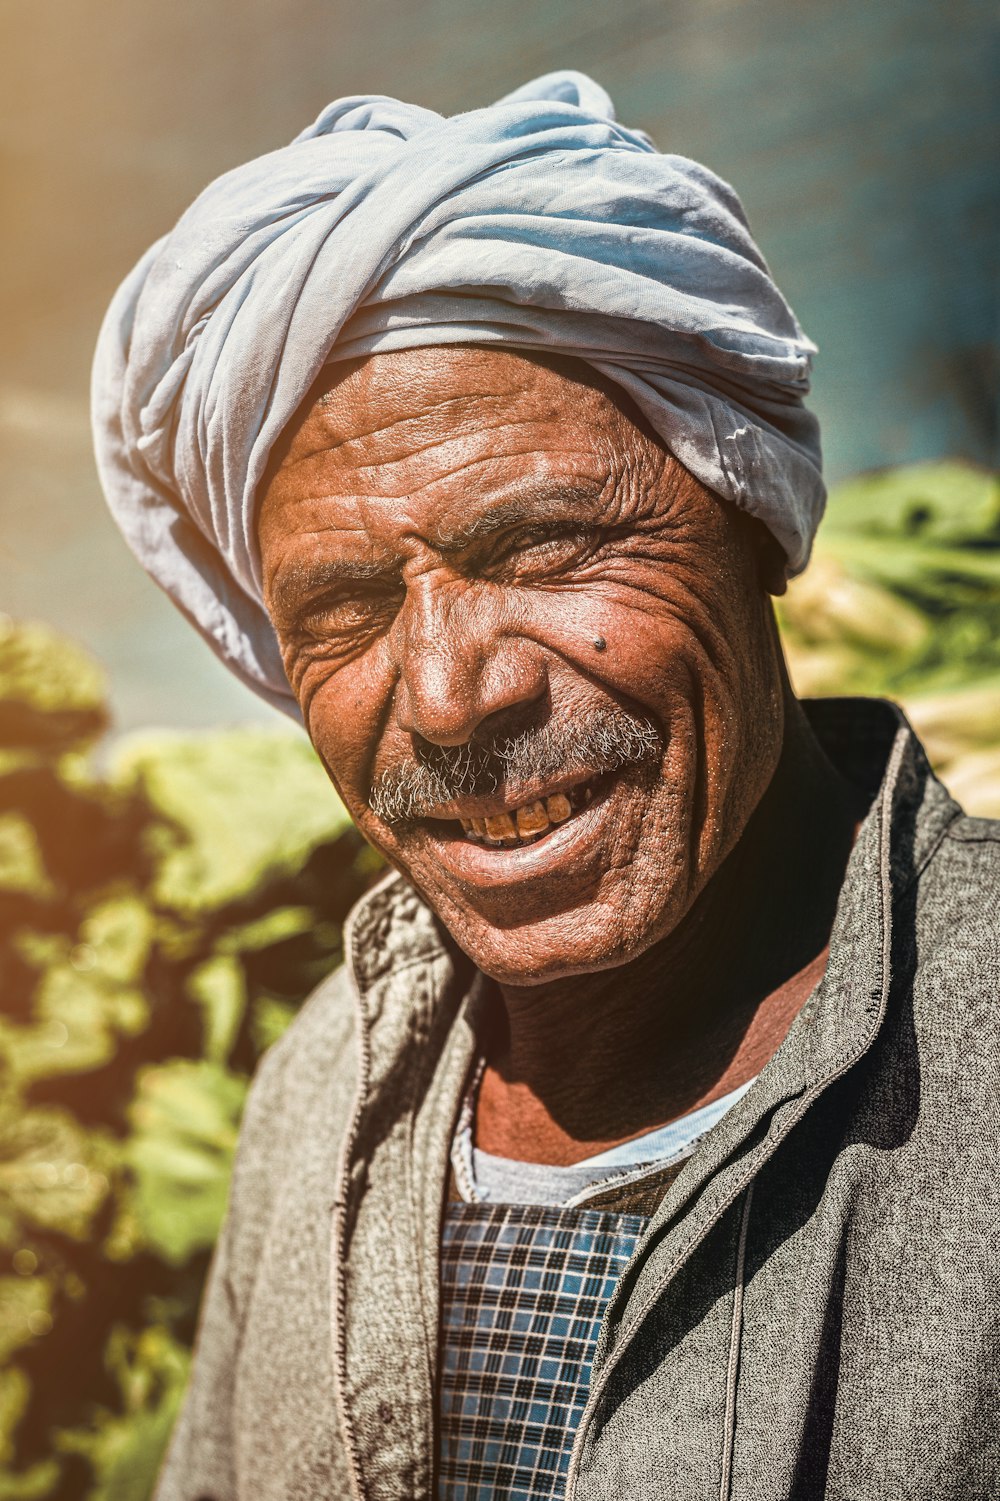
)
(534, 654)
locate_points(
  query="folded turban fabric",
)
(537, 223)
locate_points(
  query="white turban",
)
(538, 223)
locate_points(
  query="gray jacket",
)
(812, 1311)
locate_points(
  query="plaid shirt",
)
(523, 1290)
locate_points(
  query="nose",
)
(460, 665)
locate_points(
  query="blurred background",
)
(173, 868)
(862, 138)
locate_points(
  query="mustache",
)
(607, 739)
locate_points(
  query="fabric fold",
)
(538, 223)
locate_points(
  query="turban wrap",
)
(538, 223)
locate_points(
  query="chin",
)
(578, 941)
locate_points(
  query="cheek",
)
(693, 652)
(344, 711)
(667, 634)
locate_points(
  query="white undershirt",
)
(485, 1178)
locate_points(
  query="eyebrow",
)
(532, 503)
(298, 583)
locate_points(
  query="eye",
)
(350, 613)
(540, 551)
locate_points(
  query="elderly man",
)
(645, 1145)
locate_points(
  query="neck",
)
(578, 1065)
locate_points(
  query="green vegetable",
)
(218, 838)
(162, 922)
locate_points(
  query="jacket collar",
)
(873, 745)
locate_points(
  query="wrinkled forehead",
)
(444, 448)
(400, 417)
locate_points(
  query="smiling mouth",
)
(530, 822)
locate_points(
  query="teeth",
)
(532, 819)
(501, 826)
(529, 822)
(558, 807)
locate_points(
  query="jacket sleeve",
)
(201, 1459)
(263, 1352)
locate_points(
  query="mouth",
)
(514, 853)
(527, 824)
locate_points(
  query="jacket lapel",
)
(417, 1043)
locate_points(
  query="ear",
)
(772, 562)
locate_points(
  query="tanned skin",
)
(445, 533)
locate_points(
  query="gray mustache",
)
(606, 740)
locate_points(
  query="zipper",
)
(735, 1338)
(339, 1262)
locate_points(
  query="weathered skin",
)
(444, 535)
